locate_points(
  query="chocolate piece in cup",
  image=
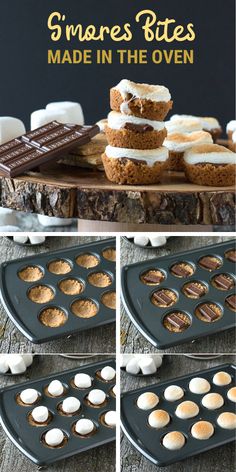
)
(208, 312)
(231, 255)
(164, 298)
(231, 302)
(177, 321)
(223, 282)
(210, 263)
(182, 269)
(194, 289)
(31, 274)
(152, 277)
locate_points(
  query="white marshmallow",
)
(157, 241)
(125, 358)
(82, 381)
(133, 367)
(234, 137)
(73, 110)
(42, 117)
(16, 364)
(4, 366)
(10, 128)
(29, 396)
(181, 142)
(70, 405)
(157, 359)
(108, 373)
(102, 124)
(183, 125)
(141, 240)
(199, 385)
(110, 418)
(118, 120)
(173, 393)
(55, 388)
(20, 239)
(36, 239)
(212, 154)
(150, 156)
(231, 126)
(7, 217)
(147, 366)
(96, 396)
(28, 359)
(54, 437)
(53, 221)
(8, 228)
(155, 93)
(84, 426)
(114, 390)
(40, 414)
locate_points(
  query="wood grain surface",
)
(131, 339)
(98, 340)
(65, 192)
(101, 459)
(216, 460)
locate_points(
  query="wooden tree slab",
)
(66, 192)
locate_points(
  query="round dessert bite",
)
(109, 299)
(55, 438)
(59, 267)
(29, 396)
(230, 128)
(173, 440)
(202, 430)
(84, 427)
(164, 298)
(212, 125)
(210, 263)
(212, 401)
(210, 164)
(41, 294)
(208, 312)
(69, 406)
(179, 143)
(100, 279)
(231, 394)
(55, 389)
(84, 308)
(96, 397)
(223, 281)
(82, 380)
(186, 410)
(107, 373)
(109, 418)
(147, 401)
(40, 416)
(31, 274)
(182, 269)
(114, 391)
(183, 124)
(222, 378)
(199, 385)
(173, 393)
(152, 102)
(71, 286)
(88, 261)
(134, 133)
(231, 255)
(227, 420)
(134, 166)
(109, 254)
(158, 419)
(53, 317)
(231, 302)
(195, 289)
(152, 277)
(176, 321)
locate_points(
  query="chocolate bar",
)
(178, 270)
(193, 289)
(223, 282)
(208, 263)
(41, 146)
(207, 312)
(176, 321)
(152, 278)
(162, 297)
(232, 301)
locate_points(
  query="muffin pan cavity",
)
(179, 298)
(31, 437)
(174, 430)
(64, 291)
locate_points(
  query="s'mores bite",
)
(207, 123)
(210, 164)
(179, 143)
(143, 100)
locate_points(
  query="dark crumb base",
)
(175, 161)
(125, 138)
(210, 174)
(126, 171)
(142, 108)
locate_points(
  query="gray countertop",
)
(101, 459)
(218, 459)
(131, 339)
(98, 340)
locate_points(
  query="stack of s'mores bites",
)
(136, 132)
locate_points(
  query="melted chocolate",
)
(138, 128)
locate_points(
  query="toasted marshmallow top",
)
(231, 394)
(158, 419)
(118, 120)
(155, 93)
(222, 378)
(173, 440)
(227, 420)
(210, 153)
(231, 126)
(202, 430)
(183, 125)
(180, 142)
(207, 122)
(150, 156)
(147, 401)
(234, 137)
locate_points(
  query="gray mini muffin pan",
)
(148, 318)
(28, 438)
(148, 440)
(25, 313)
